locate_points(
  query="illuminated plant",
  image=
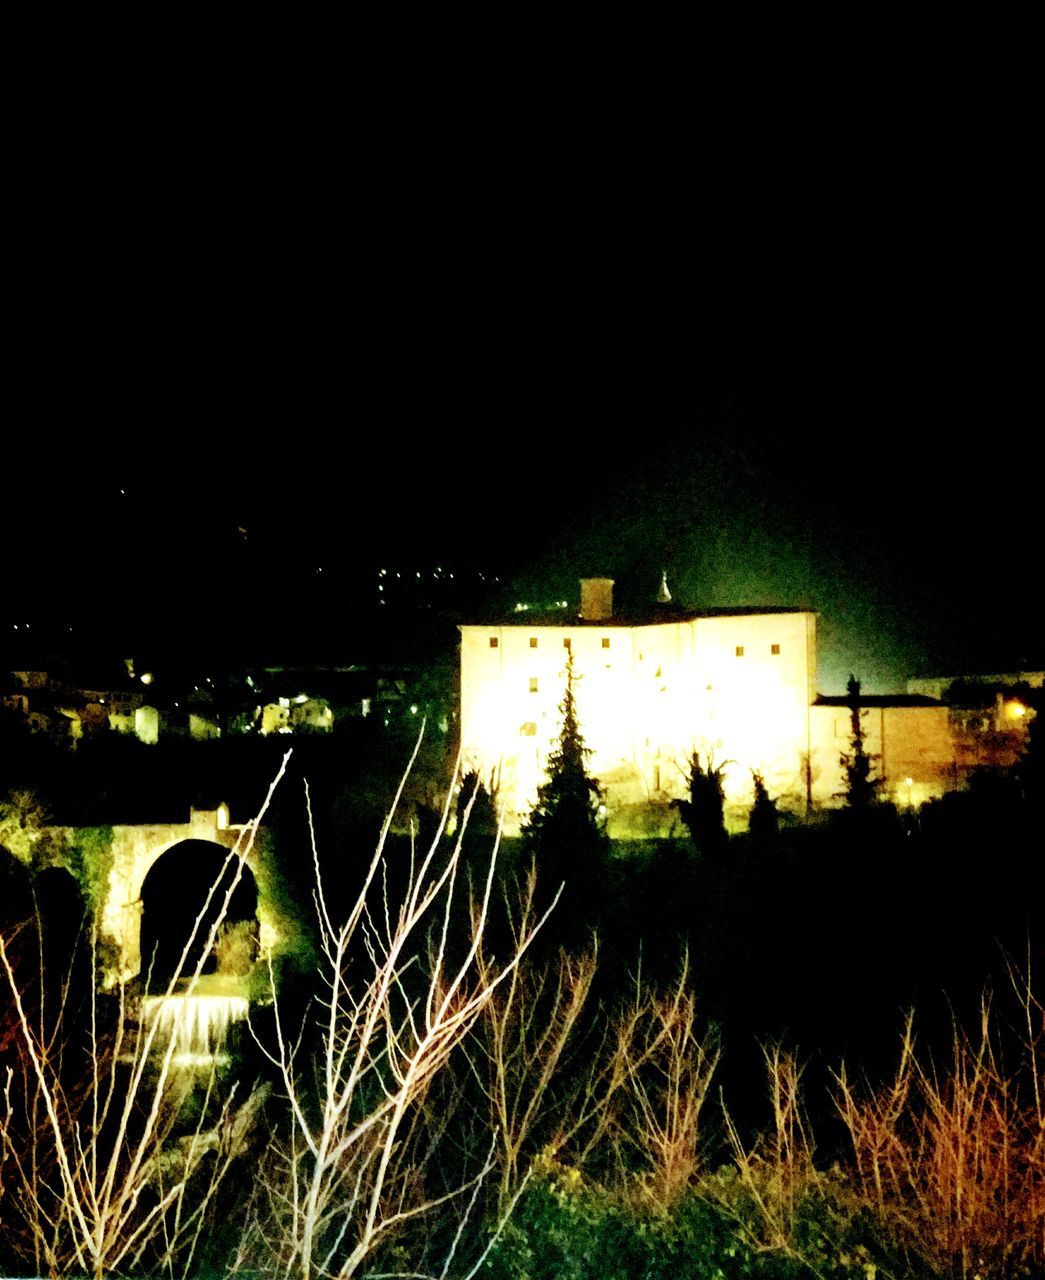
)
(352, 1172)
(953, 1163)
(776, 1174)
(669, 1076)
(562, 1081)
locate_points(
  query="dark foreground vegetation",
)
(690, 1063)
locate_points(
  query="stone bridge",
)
(136, 849)
(116, 860)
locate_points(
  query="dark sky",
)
(783, 383)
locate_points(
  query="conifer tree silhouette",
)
(565, 833)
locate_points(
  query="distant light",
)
(1017, 709)
(301, 697)
(413, 708)
(146, 677)
(909, 782)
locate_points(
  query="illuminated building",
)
(652, 687)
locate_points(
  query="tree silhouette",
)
(763, 821)
(565, 833)
(703, 811)
(861, 785)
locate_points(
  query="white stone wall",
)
(737, 687)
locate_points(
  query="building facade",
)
(652, 688)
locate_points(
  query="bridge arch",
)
(132, 851)
(183, 892)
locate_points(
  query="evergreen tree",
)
(861, 785)
(703, 811)
(476, 806)
(565, 833)
(476, 823)
(763, 821)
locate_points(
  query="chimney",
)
(596, 599)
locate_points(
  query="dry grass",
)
(951, 1161)
(777, 1173)
(669, 1073)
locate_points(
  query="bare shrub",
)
(952, 1161)
(95, 1180)
(669, 1076)
(777, 1175)
(618, 1092)
(354, 1173)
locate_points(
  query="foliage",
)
(235, 948)
(25, 830)
(703, 811)
(90, 860)
(565, 833)
(763, 821)
(448, 1092)
(861, 785)
(568, 1228)
(476, 810)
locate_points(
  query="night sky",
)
(219, 381)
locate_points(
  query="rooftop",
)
(649, 616)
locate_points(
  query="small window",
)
(774, 648)
(533, 642)
(533, 684)
(567, 643)
(493, 642)
(740, 650)
(605, 642)
(529, 729)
